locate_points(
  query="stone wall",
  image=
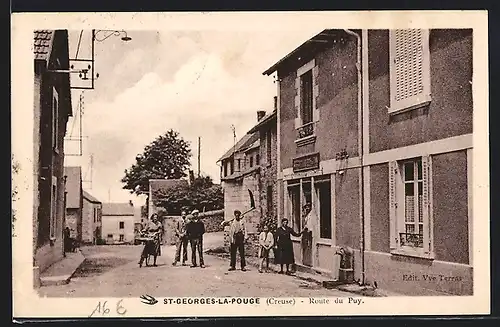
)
(211, 219)
(269, 172)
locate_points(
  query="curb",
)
(62, 279)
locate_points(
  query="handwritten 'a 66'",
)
(103, 310)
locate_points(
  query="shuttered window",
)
(410, 206)
(409, 69)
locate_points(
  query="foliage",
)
(167, 157)
(269, 221)
(202, 194)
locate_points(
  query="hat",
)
(195, 211)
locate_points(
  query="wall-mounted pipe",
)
(360, 151)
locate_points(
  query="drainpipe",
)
(360, 151)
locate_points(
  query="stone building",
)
(91, 219)
(74, 202)
(266, 128)
(248, 166)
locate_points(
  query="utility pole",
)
(199, 156)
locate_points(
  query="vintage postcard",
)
(250, 164)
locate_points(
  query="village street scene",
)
(331, 162)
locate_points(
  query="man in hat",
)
(195, 230)
(237, 237)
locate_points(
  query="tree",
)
(202, 194)
(167, 157)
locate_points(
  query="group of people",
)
(280, 243)
(190, 230)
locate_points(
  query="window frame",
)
(55, 120)
(397, 211)
(121, 225)
(306, 104)
(299, 123)
(421, 99)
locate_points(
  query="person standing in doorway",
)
(195, 230)
(181, 240)
(237, 237)
(307, 236)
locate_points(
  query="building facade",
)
(118, 221)
(52, 108)
(375, 131)
(74, 202)
(91, 219)
(266, 128)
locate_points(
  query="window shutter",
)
(409, 68)
(393, 205)
(426, 195)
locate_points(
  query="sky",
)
(198, 83)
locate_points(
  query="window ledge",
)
(413, 254)
(324, 241)
(398, 110)
(306, 140)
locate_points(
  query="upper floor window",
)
(225, 169)
(410, 206)
(409, 59)
(231, 167)
(306, 97)
(251, 161)
(122, 224)
(55, 120)
(239, 164)
(257, 159)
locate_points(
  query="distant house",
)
(52, 108)
(91, 219)
(118, 220)
(240, 168)
(74, 201)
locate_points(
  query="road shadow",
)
(96, 266)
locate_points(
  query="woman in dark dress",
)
(285, 245)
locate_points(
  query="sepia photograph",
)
(282, 170)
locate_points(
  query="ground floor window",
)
(110, 235)
(122, 237)
(324, 209)
(410, 214)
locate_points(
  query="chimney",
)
(130, 202)
(260, 114)
(275, 103)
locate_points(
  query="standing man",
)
(195, 230)
(237, 238)
(181, 239)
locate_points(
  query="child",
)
(266, 242)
